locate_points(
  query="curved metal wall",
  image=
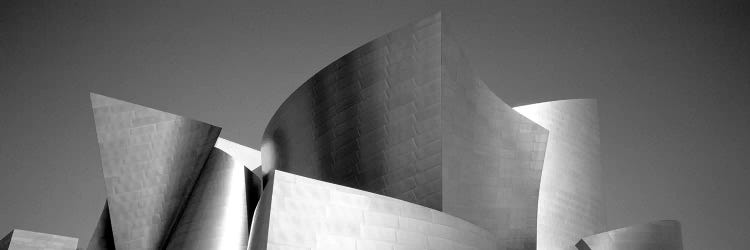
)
(369, 120)
(405, 116)
(171, 193)
(571, 199)
(302, 213)
(215, 216)
(492, 156)
(662, 235)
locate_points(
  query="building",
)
(406, 117)
(169, 184)
(571, 193)
(27, 240)
(396, 145)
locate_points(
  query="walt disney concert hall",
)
(396, 145)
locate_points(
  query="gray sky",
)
(672, 79)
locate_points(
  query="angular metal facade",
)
(215, 216)
(150, 161)
(492, 155)
(571, 195)
(168, 187)
(405, 116)
(662, 235)
(303, 213)
(28, 240)
(396, 145)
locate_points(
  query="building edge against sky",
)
(19, 239)
(571, 195)
(662, 235)
(396, 144)
(406, 116)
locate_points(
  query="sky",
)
(672, 79)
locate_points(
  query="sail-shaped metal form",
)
(571, 195)
(215, 216)
(405, 116)
(150, 160)
(168, 187)
(396, 145)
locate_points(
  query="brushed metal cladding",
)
(258, 238)
(571, 199)
(369, 120)
(102, 238)
(492, 156)
(405, 116)
(27, 240)
(662, 235)
(216, 214)
(303, 213)
(150, 161)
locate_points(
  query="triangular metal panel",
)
(150, 160)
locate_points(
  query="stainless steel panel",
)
(302, 213)
(405, 116)
(369, 120)
(150, 161)
(215, 216)
(571, 198)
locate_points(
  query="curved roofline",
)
(558, 101)
(351, 53)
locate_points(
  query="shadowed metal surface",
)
(571, 199)
(28, 240)
(369, 120)
(215, 216)
(492, 156)
(405, 116)
(662, 235)
(150, 161)
(302, 213)
(102, 238)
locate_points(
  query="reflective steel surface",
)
(405, 116)
(396, 145)
(492, 156)
(303, 213)
(662, 235)
(150, 161)
(571, 196)
(369, 120)
(215, 216)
